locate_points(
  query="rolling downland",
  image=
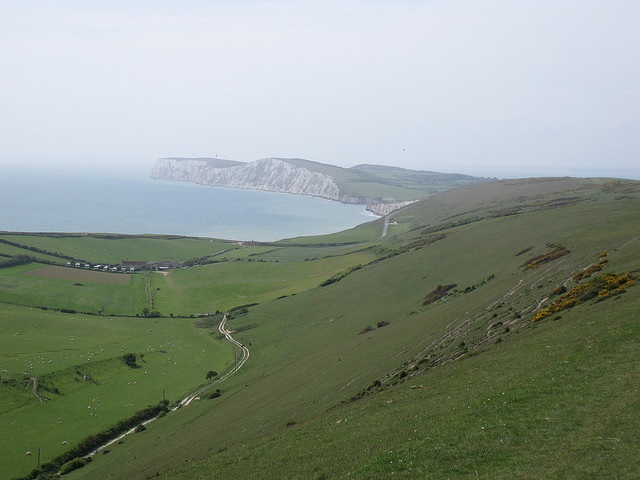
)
(427, 363)
(491, 333)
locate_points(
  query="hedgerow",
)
(75, 455)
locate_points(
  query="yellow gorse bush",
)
(590, 270)
(600, 288)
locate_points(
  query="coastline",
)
(84, 200)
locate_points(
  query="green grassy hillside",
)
(491, 333)
(379, 374)
(379, 181)
(367, 183)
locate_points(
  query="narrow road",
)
(385, 228)
(222, 328)
(189, 398)
(389, 217)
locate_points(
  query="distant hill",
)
(362, 184)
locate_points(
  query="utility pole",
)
(38, 457)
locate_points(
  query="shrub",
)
(439, 292)
(587, 272)
(339, 276)
(239, 310)
(557, 252)
(74, 464)
(215, 394)
(600, 288)
(560, 290)
(130, 360)
(523, 251)
(366, 329)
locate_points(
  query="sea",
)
(94, 200)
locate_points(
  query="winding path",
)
(191, 397)
(35, 388)
(222, 328)
(389, 217)
(245, 351)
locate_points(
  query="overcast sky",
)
(494, 88)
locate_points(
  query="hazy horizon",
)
(118, 168)
(493, 89)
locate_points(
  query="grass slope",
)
(544, 405)
(378, 181)
(327, 392)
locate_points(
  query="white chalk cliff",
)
(269, 174)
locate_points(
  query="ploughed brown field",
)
(80, 275)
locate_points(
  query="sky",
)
(491, 88)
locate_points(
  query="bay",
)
(83, 200)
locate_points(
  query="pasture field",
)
(80, 275)
(73, 289)
(8, 251)
(287, 252)
(222, 286)
(113, 248)
(80, 356)
(363, 233)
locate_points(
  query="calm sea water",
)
(87, 200)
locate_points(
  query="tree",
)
(211, 374)
(130, 360)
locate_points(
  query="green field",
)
(414, 355)
(80, 356)
(73, 289)
(113, 249)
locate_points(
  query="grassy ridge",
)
(378, 181)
